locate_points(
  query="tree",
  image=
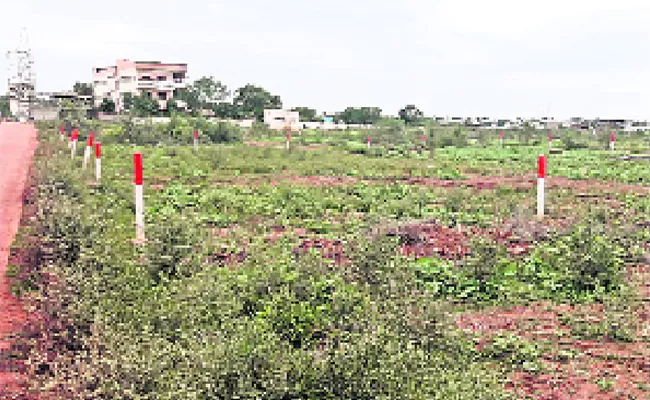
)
(141, 106)
(203, 94)
(5, 111)
(360, 115)
(307, 114)
(127, 101)
(410, 114)
(225, 110)
(251, 101)
(209, 91)
(172, 107)
(83, 89)
(107, 106)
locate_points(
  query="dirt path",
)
(17, 145)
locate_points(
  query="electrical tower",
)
(22, 81)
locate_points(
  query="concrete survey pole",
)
(73, 143)
(62, 133)
(611, 142)
(89, 148)
(196, 141)
(541, 175)
(288, 140)
(139, 199)
(501, 138)
(98, 161)
(550, 141)
(368, 141)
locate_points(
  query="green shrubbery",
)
(582, 265)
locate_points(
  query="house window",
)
(162, 78)
(162, 95)
(148, 94)
(145, 78)
(179, 75)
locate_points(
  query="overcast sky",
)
(499, 58)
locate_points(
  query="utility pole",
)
(21, 82)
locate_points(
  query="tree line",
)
(212, 96)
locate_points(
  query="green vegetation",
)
(226, 300)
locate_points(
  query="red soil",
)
(479, 182)
(17, 145)
(621, 368)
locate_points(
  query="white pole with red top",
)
(89, 147)
(368, 141)
(98, 161)
(541, 175)
(73, 142)
(611, 142)
(62, 133)
(550, 141)
(501, 138)
(288, 140)
(196, 141)
(139, 200)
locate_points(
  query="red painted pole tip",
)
(541, 167)
(613, 137)
(91, 138)
(137, 164)
(196, 134)
(288, 136)
(98, 150)
(368, 139)
(501, 134)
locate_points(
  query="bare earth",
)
(17, 144)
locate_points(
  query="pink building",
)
(159, 81)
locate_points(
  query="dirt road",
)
(17, 145)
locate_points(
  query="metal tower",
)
(22, 81)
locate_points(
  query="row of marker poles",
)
(139, 192)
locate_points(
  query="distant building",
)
(156, 80)
(282, 119)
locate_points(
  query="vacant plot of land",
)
(331, 270)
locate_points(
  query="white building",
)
(282, 119)
(156, 80)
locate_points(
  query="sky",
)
(488, 58)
